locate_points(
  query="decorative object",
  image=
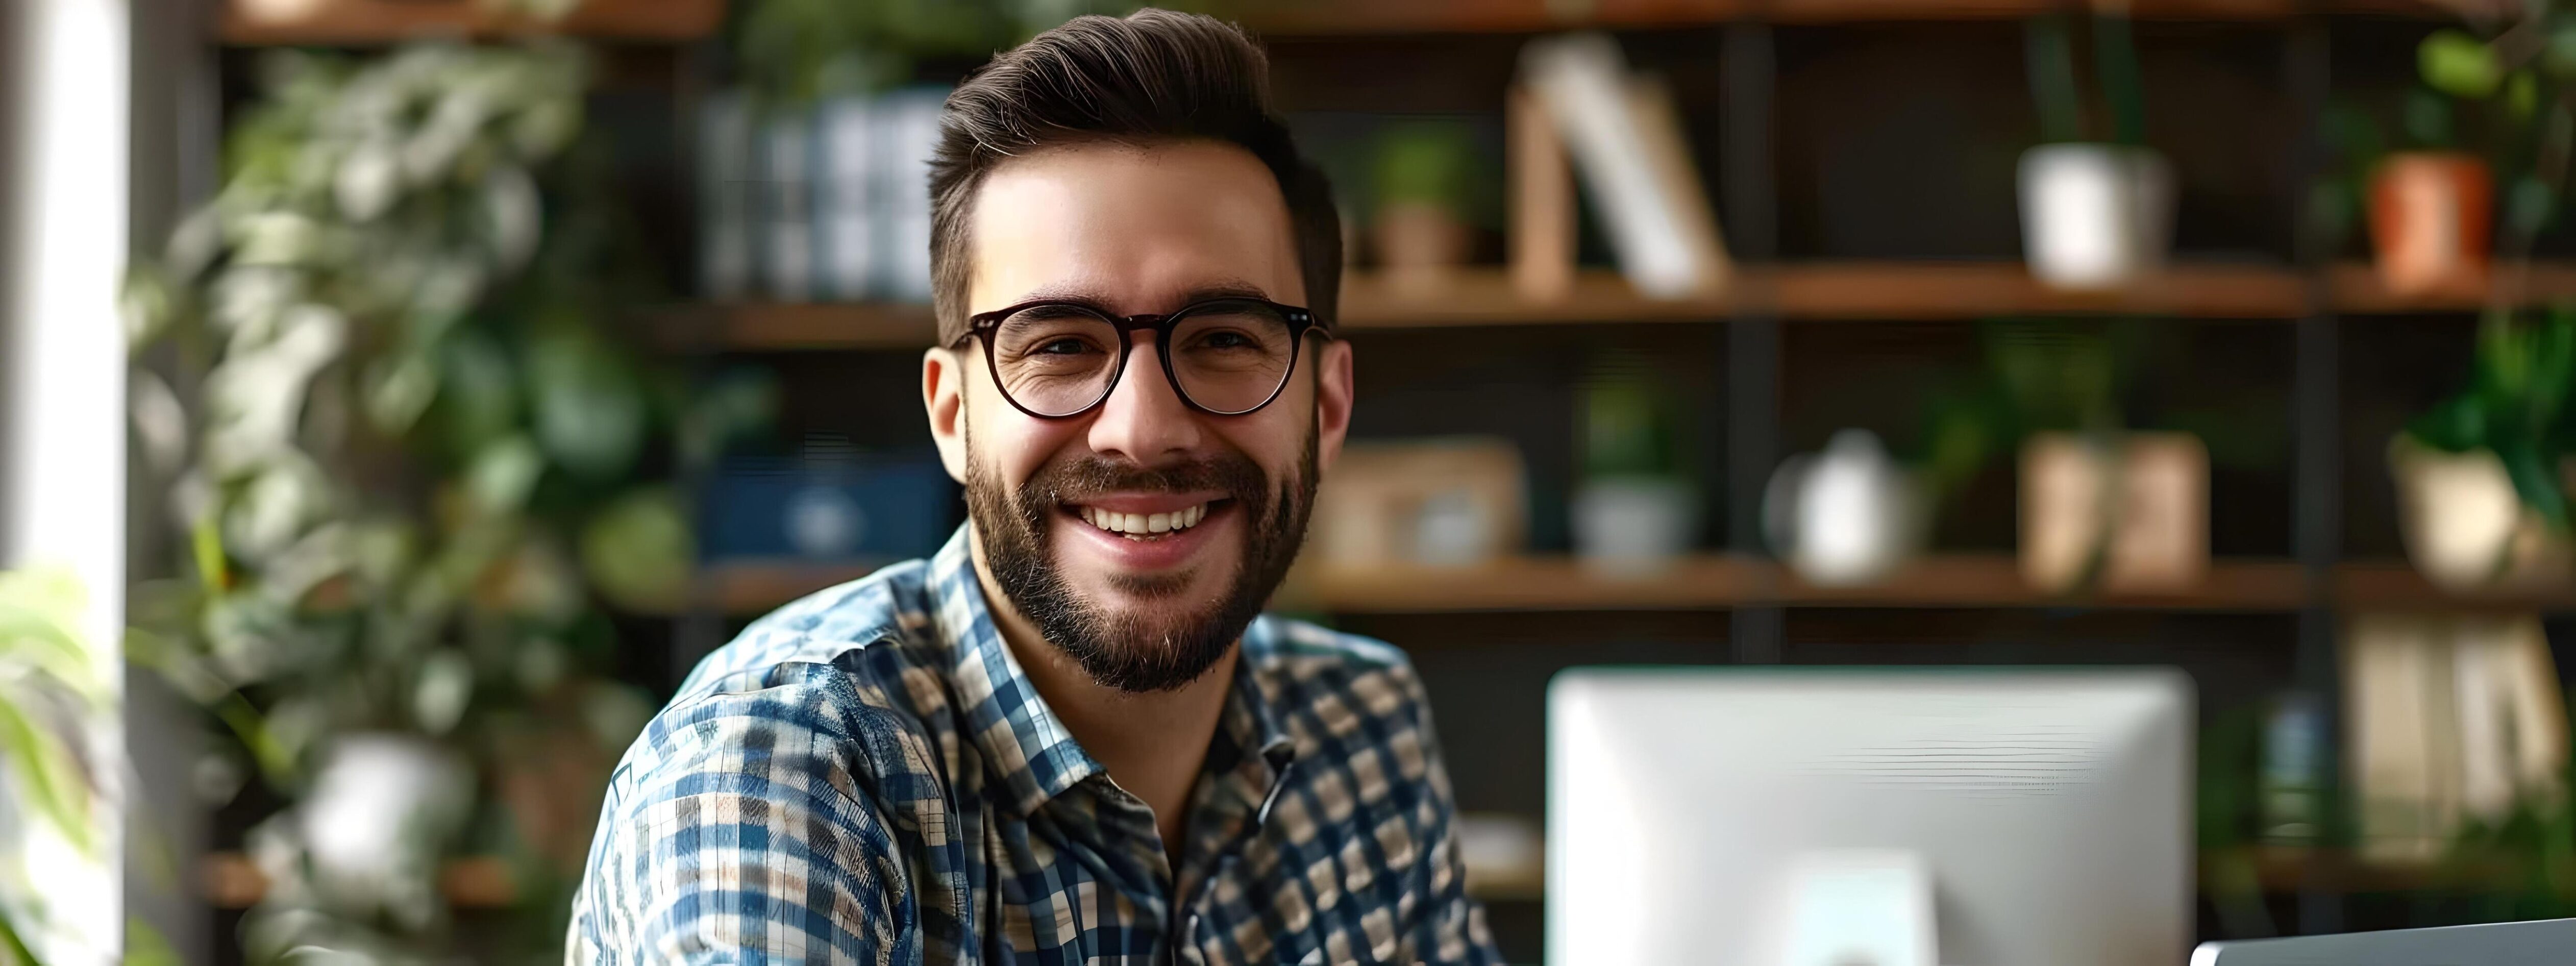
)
(1430, 502)
(2127, 513)
(2480, 477)
(1634, 512)
(2095, 215)
(1845, 517)
(1542, 200)
(407, 463)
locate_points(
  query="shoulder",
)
(1309, 662)
(883, 608)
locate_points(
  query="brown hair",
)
(1153, 75)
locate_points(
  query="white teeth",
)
(1141, 524)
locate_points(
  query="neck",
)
(1151, 744)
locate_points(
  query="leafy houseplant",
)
(798, 51)
(1424, 172)
(408, 464)
(50, 690)
(2480, 474)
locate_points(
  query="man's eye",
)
(1224, 340)
(1061, 347)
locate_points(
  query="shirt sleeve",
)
(738, 831)
(1451, 925)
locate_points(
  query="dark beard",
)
(1125, 651)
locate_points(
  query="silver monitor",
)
(2500, 944)
(1744, 815)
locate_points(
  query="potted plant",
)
(2101, 505)
(410, 468)
(2479, 476)
(1424, 170)
(2095, 213)
(1635, 512)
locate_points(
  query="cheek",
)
(1013, 445)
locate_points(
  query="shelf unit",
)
(1811, 292)
(256, 23)
(1361, 17)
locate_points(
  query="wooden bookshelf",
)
(230, 880)
(1362, 17)
(274, 23)
(1798, 292)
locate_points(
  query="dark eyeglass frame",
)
(1300, 322)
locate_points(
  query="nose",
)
(1143, 419)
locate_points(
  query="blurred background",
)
(485, 363)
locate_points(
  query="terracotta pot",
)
(1420, 245)
(2431, 220)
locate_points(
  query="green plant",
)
(409, 464)
(2515, 406)
(50, 691)
(1426, 162)
(2050, 53)
(1628, 422)
(795, 51)
(2041, 375)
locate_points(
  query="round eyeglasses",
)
(1056, 359)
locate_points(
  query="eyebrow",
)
(1220, 288)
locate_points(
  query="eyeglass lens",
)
(1227, 357)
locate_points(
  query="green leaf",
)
(639, 550)
(2428, 119)
(14, 944)
(53, 782)
(2459, 65)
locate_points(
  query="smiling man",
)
(1070, 737)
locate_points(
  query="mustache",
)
(1233, 474)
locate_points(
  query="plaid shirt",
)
(867, 776)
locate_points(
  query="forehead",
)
(1135, 227)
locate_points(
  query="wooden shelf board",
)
(230, 880)
(1811, 292)
(1362, 17)
(246, 23)
(1717, 581)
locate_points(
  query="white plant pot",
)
(2095, 216)
(1633, 526)
(2464, 525)
(1844, 517)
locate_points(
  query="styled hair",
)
(1152, 76)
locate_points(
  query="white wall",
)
(62, 420)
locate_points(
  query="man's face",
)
(1133, 231)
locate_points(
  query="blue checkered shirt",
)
(867, 776)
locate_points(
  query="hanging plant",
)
(394, 424)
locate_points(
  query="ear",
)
(1332, 402)
(943, 397)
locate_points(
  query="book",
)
(1542, 208)
(908, 131)
(845, 199)
(725, 197)
(785, 163)
(1626, 143)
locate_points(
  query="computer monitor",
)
(2051, 809)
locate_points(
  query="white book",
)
(847, 199)
(725, 197)
(1624, 160)
(787, 235)
(909, 124)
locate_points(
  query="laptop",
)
(2547, 943)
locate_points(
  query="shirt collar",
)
(1027, 745)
